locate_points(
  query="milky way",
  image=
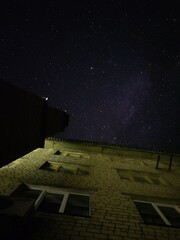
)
(114, 67)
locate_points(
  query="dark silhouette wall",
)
(56, 121)
(25, 121)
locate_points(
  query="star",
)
(112, 67)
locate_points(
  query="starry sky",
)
(113, 65)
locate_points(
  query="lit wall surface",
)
(114, 181)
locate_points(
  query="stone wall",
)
(113, 212)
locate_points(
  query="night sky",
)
(113, 65)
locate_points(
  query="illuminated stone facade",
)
(114, 178)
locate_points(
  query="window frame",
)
(156, 206)
(55, 190)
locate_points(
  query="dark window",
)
(159, 214)
(77, 205)
(51, 203)
(148, 213)
(171, 214)
(29, 193)
(52, 200)
(26, 192)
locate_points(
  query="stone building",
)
(87, 191)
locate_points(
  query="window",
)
(159, 214)
(141, 177)
(53, 200)
(66, 168)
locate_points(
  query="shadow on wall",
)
(25, 121)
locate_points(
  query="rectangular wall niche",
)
(158, 213)
(53, 200)
(141, 177)
(76, 169)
